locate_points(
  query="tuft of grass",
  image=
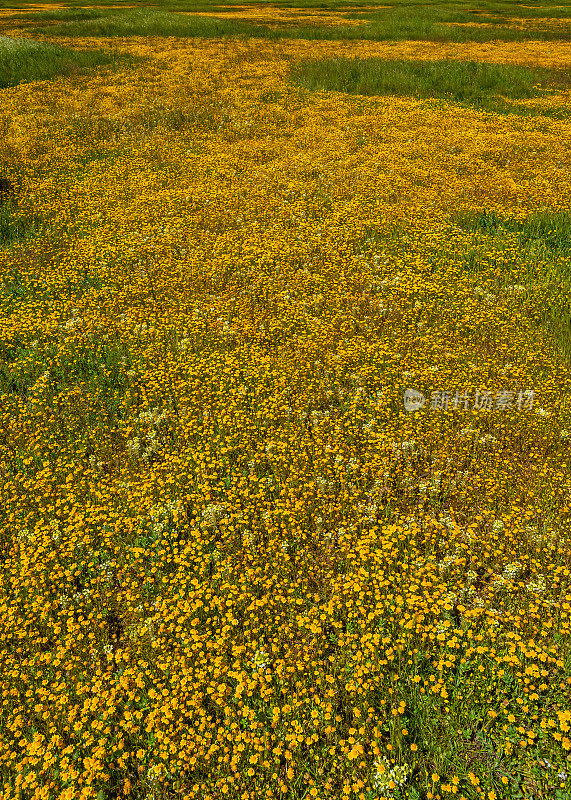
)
(487, 86)
(23, 60)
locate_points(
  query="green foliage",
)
(24, 60)
(12, 228)
(485, 86)
(545, 239)
(451, 80)
(442, 22)
(550, 228)
(147, 22)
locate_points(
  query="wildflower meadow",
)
(285, 400)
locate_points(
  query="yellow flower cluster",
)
(233, 564)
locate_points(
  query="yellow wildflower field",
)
(234, 564)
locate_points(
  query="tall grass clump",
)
(489, 86)
(24, 60)
(147, 22)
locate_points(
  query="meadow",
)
(234, 565)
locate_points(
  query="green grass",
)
(550, 229)
(486, 86)
(399, 22)
(147, 22)
(63, 14)
(545, 240)
(13, 227)
(432, 22)
(24, 60)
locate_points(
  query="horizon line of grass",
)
(427, 24)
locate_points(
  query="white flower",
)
(538, 586)
(513, 571)
(261, 660)
(134, 445)
(213, 513)
(384, 775)
(466, 431)
(154, 773)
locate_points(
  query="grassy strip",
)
(487, 86)
(435, 22)
(392, 27)
(145, 22)
(23, 60)
(63, 14)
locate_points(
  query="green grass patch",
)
(147, 22)
(23, 60)
(401, 21)
(487, 86)
(12, 228)
(438, 23)
(551, 230)
(62, 14)
(544, 238)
